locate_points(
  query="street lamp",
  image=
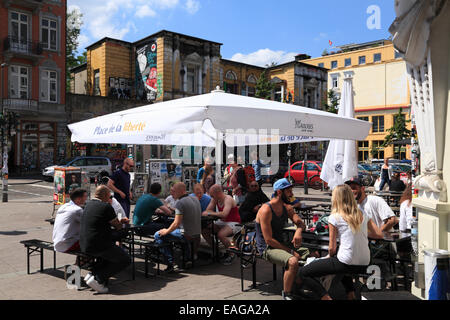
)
(4, 144)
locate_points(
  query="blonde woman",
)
(348, 224)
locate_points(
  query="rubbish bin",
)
(437, 274)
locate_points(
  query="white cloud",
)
(113, 18)
(264, 57)
(145, 11)
(192, 6)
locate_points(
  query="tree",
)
(264, 87)
(334, 102)
(398, 131)
(374, 152)
(74, 23)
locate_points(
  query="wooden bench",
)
(34, 245)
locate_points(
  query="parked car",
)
(92, 165)
(273, 173)
(298, 174)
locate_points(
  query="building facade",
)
(32, 55)
(380, 87)
(169, 65)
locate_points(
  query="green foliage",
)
(264, 87)
(398, 131)
(334, 102)
(74, 23)
(374, 151)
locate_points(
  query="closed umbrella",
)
(340, 162)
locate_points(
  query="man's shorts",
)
(233, 225)
(281, 257)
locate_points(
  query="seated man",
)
(374, 207)
(200, 194)
(147, 208)
(66, 230)
(186, 226)
(226, 227)
(170, 200)
(96, 239)
(397, 185)
(253, 201)
(271, 244)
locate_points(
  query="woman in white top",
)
(348, 224)
(406, 209)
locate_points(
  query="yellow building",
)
(380, 87)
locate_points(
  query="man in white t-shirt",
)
(374, 207)
(66, 230)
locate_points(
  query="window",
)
(378, 149)
(363, 150)
(97, 82)
(19, 31)
(243, 89)
(230, 75)
(48, 87)
(298, 166)
(320, 65)
(279, 92)
(191, 81)
(252, 79)
(397, 54)
(363, 118)
(79, 163)
(377, 57)
(362, 60)
(251, 91)
(348, 62)
(48, 34)
(378, 124)
(18, 84)
(334, 64)
(311, 167)
(335, 81)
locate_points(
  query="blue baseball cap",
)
(281, 185)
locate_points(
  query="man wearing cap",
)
(372, 206)
(271, 243)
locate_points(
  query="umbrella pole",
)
(219, 140)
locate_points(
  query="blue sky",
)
(252, 31)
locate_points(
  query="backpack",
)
(249, 174)
(245, 241)
(321, 227)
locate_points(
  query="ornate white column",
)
(420, 32)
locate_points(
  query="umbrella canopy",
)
(340, 162)
(202, 120)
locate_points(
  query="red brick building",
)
(32, 83)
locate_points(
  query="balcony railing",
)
(20, 105)
(13, 44)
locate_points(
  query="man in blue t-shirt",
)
(199, 193)
(120, 184)
(147, 207)
(257, 165)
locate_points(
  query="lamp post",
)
(4, 143)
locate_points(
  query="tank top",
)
(233, 216)
(385, 174)
(277, 224)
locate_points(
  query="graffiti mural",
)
(148, 81)
(120, 88)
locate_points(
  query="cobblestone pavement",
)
(23, 218)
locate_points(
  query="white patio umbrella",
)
(340, 162)
(208, 119)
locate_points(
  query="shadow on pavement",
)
(12, 233)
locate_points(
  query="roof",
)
(163, 32)
(241, 63)
(81, 67)
(105, 39)
(297, 62)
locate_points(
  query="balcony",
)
(26, 105)
(22, 49)
(34, 5)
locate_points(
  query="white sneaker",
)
(97, 286)
(87, 277)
